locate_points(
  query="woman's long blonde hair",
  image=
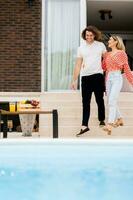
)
(120, 45)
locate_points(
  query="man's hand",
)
(76, 73)
(74, 85)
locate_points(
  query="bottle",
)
(18, 106)
(12, 106)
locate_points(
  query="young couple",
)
(92, 60)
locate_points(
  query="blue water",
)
(66, 171)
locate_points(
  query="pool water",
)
(64, 170)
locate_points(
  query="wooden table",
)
(5, 115)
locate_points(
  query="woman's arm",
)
(128, 73)
(125, 66)
(104, 62)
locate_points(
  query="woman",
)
(115, 63)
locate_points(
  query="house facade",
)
(20, 46)
(39, 39)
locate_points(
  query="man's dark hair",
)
(94, 30)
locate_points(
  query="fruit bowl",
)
(34, 103)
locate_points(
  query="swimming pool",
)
(66, 170)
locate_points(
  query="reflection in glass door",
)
(62, 30)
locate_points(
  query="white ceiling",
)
(122, 12)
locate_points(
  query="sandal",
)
(119, 122)
(108, 128)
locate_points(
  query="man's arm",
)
(76, 73)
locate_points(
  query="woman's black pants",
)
(93, 83)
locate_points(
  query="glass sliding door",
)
(62, 30)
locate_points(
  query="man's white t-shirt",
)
(92, 56)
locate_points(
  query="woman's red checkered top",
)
(117, 61)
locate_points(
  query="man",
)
(88, 62)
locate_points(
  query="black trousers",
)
(93, 83)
